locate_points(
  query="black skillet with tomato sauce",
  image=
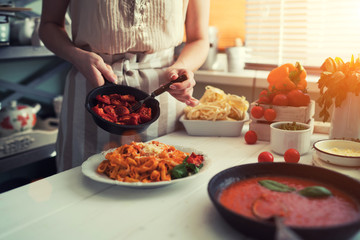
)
(249, 198)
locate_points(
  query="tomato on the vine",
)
(257, 111)
(292, 156)
(250, 137)
(298, 98)
(280, 100)
(264, 97)
(264, 100)
(263, 93)
(270, 114)
(265, 157)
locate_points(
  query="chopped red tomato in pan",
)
(115, 108)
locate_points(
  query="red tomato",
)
(264, 100)
(298, 98)
(270, 114)
(265, 97)
(257, 111)
(250, 137)
(280, 100)
(195, 159)
(263, 93)
(265, 157)
(292, 156)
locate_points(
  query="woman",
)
(128, 42)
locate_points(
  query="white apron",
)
(79, 137)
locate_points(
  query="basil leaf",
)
(192, 168)
(276, 186)
(179, 171)
(315, 192)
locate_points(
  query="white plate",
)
(90, 165)
(323, 146)
(221, 128)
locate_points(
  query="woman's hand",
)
(194, 53)
(53, 34)
(93, 67)
(182, 91)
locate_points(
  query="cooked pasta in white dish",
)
(215, 105)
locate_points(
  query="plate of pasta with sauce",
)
(145, 165)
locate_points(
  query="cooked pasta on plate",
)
(148, 164)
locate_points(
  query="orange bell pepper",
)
(287, 77)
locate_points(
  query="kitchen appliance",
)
(213, 50)
(17, 118)
(4, 30)
(236, 57)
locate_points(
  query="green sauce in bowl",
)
(292, 127)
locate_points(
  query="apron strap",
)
(125, 64)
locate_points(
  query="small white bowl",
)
(325, 151)
(221, 128)
(281, 140)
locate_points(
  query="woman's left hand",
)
(182, 91)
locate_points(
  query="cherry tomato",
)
(265, 157)
(292, 156)
(264, 97)
(298, 98)
(264, 100)
(250, 137)
(257, 111)
(263, 93)
(280, 100)
(270, 114)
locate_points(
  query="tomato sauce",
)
(295, 209)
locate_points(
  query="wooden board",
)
(14, 9)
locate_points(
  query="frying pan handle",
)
(165, 87)
(107, 82)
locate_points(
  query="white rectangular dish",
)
(220, 128)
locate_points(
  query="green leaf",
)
(276, 186)
(315, 192)
(179, 171)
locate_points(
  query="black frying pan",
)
(113, 128)
(266, 230)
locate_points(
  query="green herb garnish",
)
(292, 126)
(184, 169)
(276, 186)
(315, 192)
(309, 192)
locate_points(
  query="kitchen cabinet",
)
(24, 159)
(21, 52)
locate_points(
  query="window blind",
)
(309, 31)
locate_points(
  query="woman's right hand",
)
(93, 67)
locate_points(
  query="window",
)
(229, 18)
(309, 31)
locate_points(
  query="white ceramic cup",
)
(281, 140)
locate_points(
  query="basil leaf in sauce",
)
(276, 186)
(315, 192)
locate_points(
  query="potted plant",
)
(339, 85)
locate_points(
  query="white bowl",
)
(325, 151)
(221, 128)
(281, 140)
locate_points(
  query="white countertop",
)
(71, 206)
